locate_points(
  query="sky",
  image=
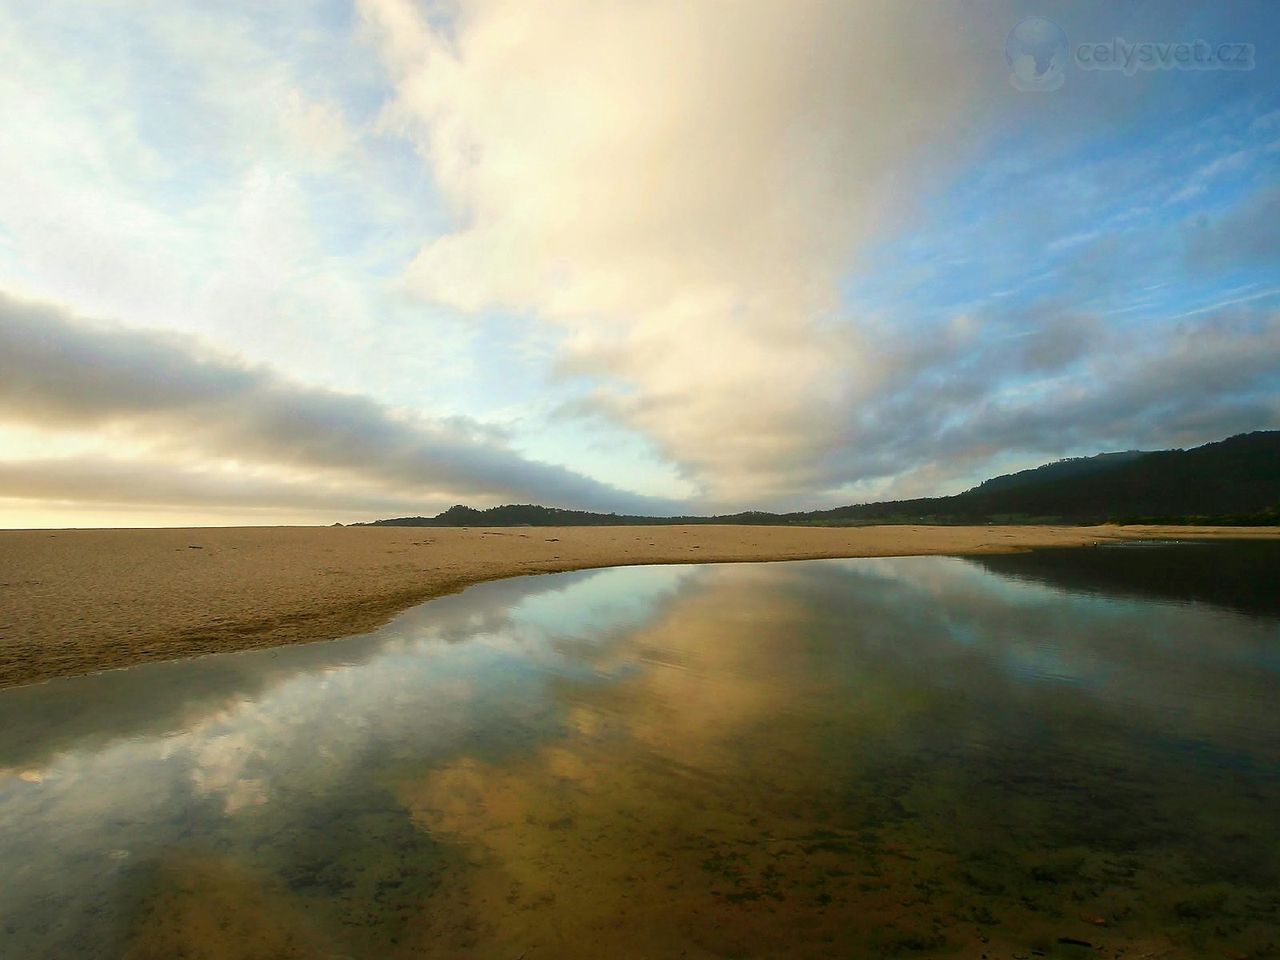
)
(319, 260)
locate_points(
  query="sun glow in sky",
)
(312, 260)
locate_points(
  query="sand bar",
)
(80, 601)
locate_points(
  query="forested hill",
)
(1236, 480)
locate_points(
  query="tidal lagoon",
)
(1059, 753)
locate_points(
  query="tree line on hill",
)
(1231, 482)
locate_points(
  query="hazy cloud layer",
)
(108, 481)
(193, 406)
(1248, 233)
(680, 190)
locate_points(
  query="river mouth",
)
(1038, 754)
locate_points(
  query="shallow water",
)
(1012, 756)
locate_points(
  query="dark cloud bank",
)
(943, 412)
(57, 370)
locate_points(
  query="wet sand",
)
(80, 601)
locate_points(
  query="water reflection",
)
(879, 757)
(1235, 575)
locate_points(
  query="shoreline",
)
(83, 601)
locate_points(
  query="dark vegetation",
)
(1232, 482)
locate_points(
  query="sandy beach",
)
(80, 601)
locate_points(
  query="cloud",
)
(108, 481)
(1247, 234)
(679, 188)
(1041, 396)
(1202, 179)
(748, 257)
(188, 405)
(142, 182)
(684, 195)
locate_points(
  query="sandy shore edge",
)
(82, 601)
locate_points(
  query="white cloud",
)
(680, 187)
